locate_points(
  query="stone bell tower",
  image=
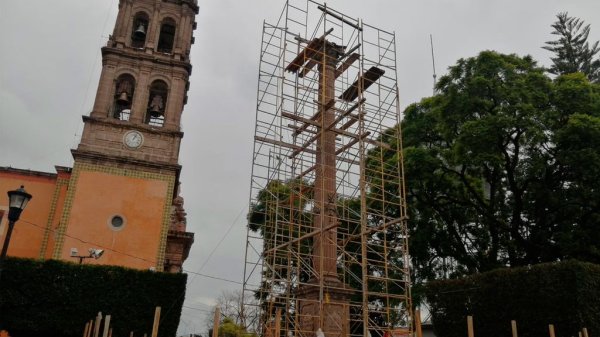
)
(124, 183)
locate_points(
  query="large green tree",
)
(502, 168)
(572, 51)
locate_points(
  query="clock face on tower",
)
(133, 139)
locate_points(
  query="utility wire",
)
(127, 254)
(196, 274)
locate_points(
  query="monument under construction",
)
(327, 251)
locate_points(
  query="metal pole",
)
(11, 225)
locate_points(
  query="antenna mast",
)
(433, 63)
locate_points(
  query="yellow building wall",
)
(28, 233)
(96, 194)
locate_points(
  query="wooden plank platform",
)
(368, 78)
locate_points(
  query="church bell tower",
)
(123, 191)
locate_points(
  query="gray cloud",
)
(50, 65)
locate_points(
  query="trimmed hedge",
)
(565, 294)
(53, 298)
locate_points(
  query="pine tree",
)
(572, 50)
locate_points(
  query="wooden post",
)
(278, 323)
(470, 326)
(513, 325)
(89, 331)
(579, 333)
(130, 333)
(585, 333)
(156, 322)
(106, 326)
(87, 324)
(110, 332)
(97, 325)
(551, 330)
(216, 322)
(418, 329)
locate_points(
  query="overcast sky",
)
(50, 64)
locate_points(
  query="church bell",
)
(155, 113)
(140, 32)
(123, 99)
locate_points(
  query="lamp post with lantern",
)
(17, 200)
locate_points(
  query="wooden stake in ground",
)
(97, 325)
(551, 330)
(585, 334)
(216, 322)
(470, 326)
(418, 329)
(89, 330)
(85, 330)
(513, 325)
(156, 322)
(106, 326)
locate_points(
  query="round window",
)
(116, 222)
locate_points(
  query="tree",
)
(500, 168)
(572, 50)
(241, 314)
(240, 311)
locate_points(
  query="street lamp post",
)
(17, 200)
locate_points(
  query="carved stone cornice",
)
(125, 162)
(155, 57)
(132, 126)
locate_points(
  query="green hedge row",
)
(53, 298)
(565, 294)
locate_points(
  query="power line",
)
(213, 277)
(127, 254)
(91, 243)
(196, 274)
(198, 309)
(209, 257)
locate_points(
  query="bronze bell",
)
(123, 99)
(155, 113)
(156, 106)
(140, 32)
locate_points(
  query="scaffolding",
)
(327, 244)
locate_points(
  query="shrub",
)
(565, 294)
(53, 298)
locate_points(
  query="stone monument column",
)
(323, 302)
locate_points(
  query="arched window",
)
(124, 89)
(139, 30)
(157, 102)
(167, 36)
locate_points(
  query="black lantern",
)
(17, 200)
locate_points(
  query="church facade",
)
(122, 193)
